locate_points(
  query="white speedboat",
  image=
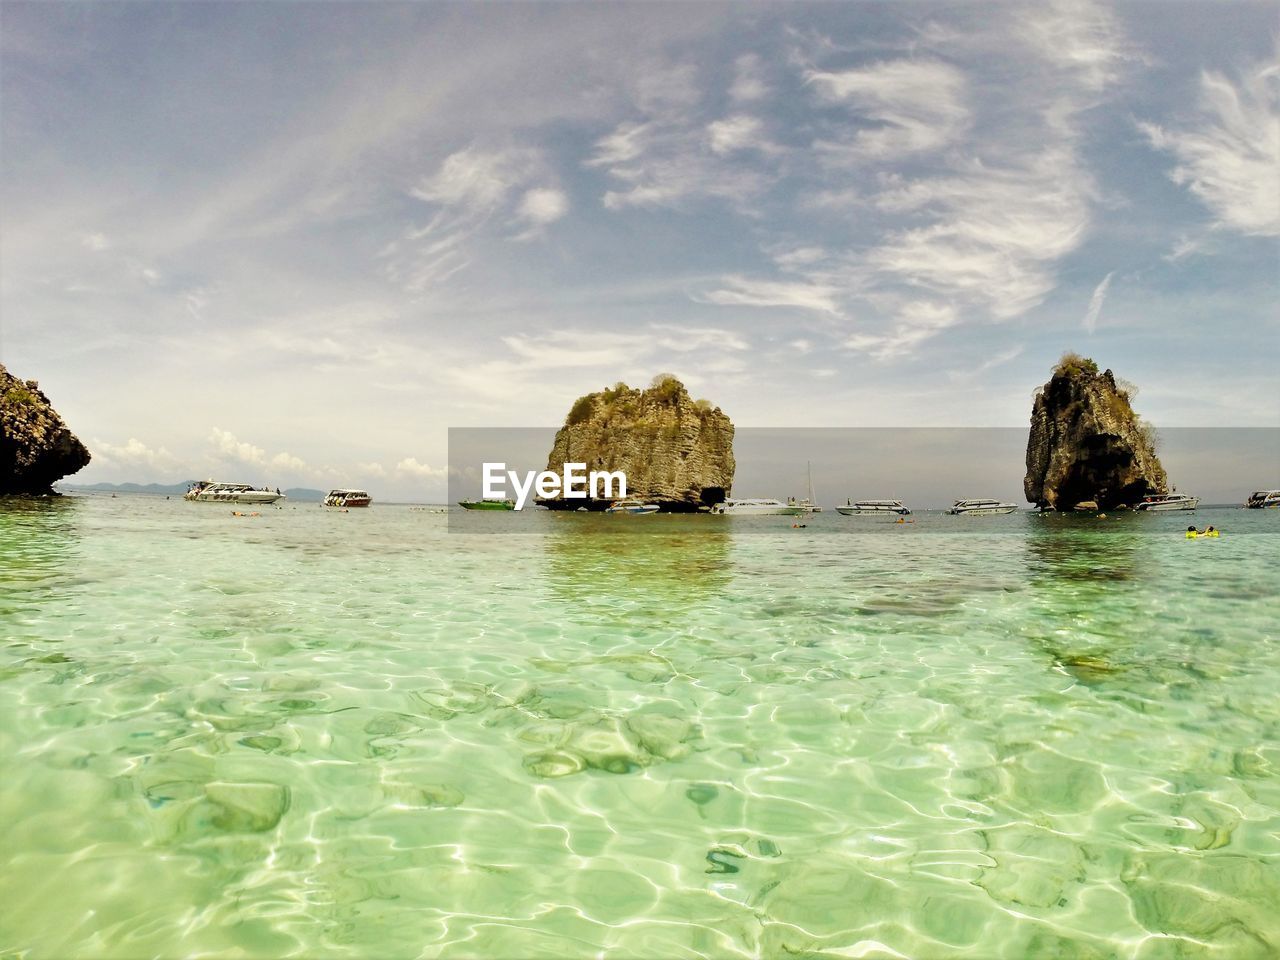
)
(872, 508)
(347, 498)
(757, 508)
(981, 508)
(1167, 501)
(1263, 500)
(631, 506)
(216, 491)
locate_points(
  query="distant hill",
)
(300, 494)
(305, 495)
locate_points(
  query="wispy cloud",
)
(997, 360)
(1095, 303)
(916, 322)
(746, 292)
(748, 78)
(963, 204)
(739, 132)
(1081, 39)
(471, 189)
(912, 106)
(670, 152)
(995, 233)
(1229, 154)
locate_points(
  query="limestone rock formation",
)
(1087, 444)
(36, 448)
(675, 451)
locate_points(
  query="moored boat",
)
(488, 504)
(217, 491)
(981, 508)
(757, 507)
(871, 508)
(1163, 502)
(1263, 500)
(806, 504)
(347, 498)
(636, 507)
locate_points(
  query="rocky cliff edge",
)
(36, 448)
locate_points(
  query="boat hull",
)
(782, 511)
(648, 508)
(486, 505)
(1189, 504)
(983, 511)
(873, 511)
(248, 497)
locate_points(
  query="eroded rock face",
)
(36, 448)
(675, 451)
(1087, 444)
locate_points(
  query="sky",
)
(296, 243)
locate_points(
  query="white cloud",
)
(288, 462)
(627, 142)
(996, 232)
(471, 187)
(974, 228)
(133, 453)
(571, 349)
(682, 339)
(1230, 157)
(226, 445)
(735, 133)
(916, 321)
(1078, 38)
(799, 258)
(669, 153)
(410, 467)
(1095, 303)
(745, 292)
(95, 241)
(678, 169)
(748, 79)
(372, 469)
(1186, 246)
(916, 105)
(475, 178)
(543, 205)
(997, 360)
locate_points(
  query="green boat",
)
(487, 504)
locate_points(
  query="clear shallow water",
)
(350, 735)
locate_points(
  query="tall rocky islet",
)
(675, 451)
(1087, 446)
(36, 448)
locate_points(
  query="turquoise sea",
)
(323, 734)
